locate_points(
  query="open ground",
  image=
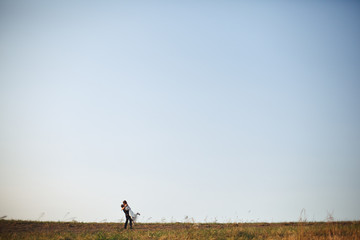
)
(12, 229)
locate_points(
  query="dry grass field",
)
(11, 230)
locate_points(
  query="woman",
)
(125, 207)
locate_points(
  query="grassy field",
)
(10, 229)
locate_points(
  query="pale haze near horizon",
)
(239, 111)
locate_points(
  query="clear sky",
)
(234, 110)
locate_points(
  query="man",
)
(125, 207)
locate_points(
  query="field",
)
(11, 229)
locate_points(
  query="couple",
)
(130, 216)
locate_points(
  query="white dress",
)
(132, 214)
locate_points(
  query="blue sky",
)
(234, 110)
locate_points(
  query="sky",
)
(228, 111)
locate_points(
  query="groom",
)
(125, 207)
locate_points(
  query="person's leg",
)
(130, 222)
(126, 222)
